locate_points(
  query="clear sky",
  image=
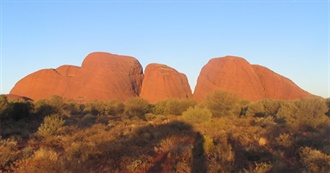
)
(291, 37)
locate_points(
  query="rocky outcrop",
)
(232, 74)
(251, 82)
(102, 76)
(162, 82)
(277, 86)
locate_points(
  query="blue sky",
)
(291, 37)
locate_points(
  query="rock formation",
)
(162, 82)
(251, 82)
(277, 86)
(102, 76)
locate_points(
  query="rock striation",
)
(162, 82)
(251, 82)
(102, 76)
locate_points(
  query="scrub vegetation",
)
(221, 134)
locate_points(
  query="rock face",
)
(162, 82)
(102, 76)
(277, 86)
(251, 82)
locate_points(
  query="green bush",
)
(305, 114)
(263, 108)
(95, 107)
(137, 107)
(173, 106)
(197, 115)
(50, 125)
(222, 103)
(57, 102)
(114, 107)
(72, 108)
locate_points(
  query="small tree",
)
(197, 115)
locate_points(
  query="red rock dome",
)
(103, 76)
(162, 82)
(251, 82)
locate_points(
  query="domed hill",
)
(103, 76)
(162, 82)
(236, 75)
(277, 86)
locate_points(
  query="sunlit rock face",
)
(250, 82)
(162, 82)
(102, 76)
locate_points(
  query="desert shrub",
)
(265, 122)
(305, 114)
(263, 108)
(95, 107)
(177, 106)
(114, 107)
(311, 112)
(173, 106)
(43, 160)
(208, 144)
(136, 107)
(42, 108)
(73, 108)
(314, 160)
(197, 115)
(57, 102)
(3, 106)
(20, 109)
(9, 151)
(159, 108)
(284, 140)
(87, 120)
(262, 167)
(222, 103)
(50, 125)
(327, 101)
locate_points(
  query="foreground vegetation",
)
(221, 134)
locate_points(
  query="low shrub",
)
(50, 125)
(197, 115)
(173, 106)
(114, 107)
(222, 103)
(137, 107)
(314, 160)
